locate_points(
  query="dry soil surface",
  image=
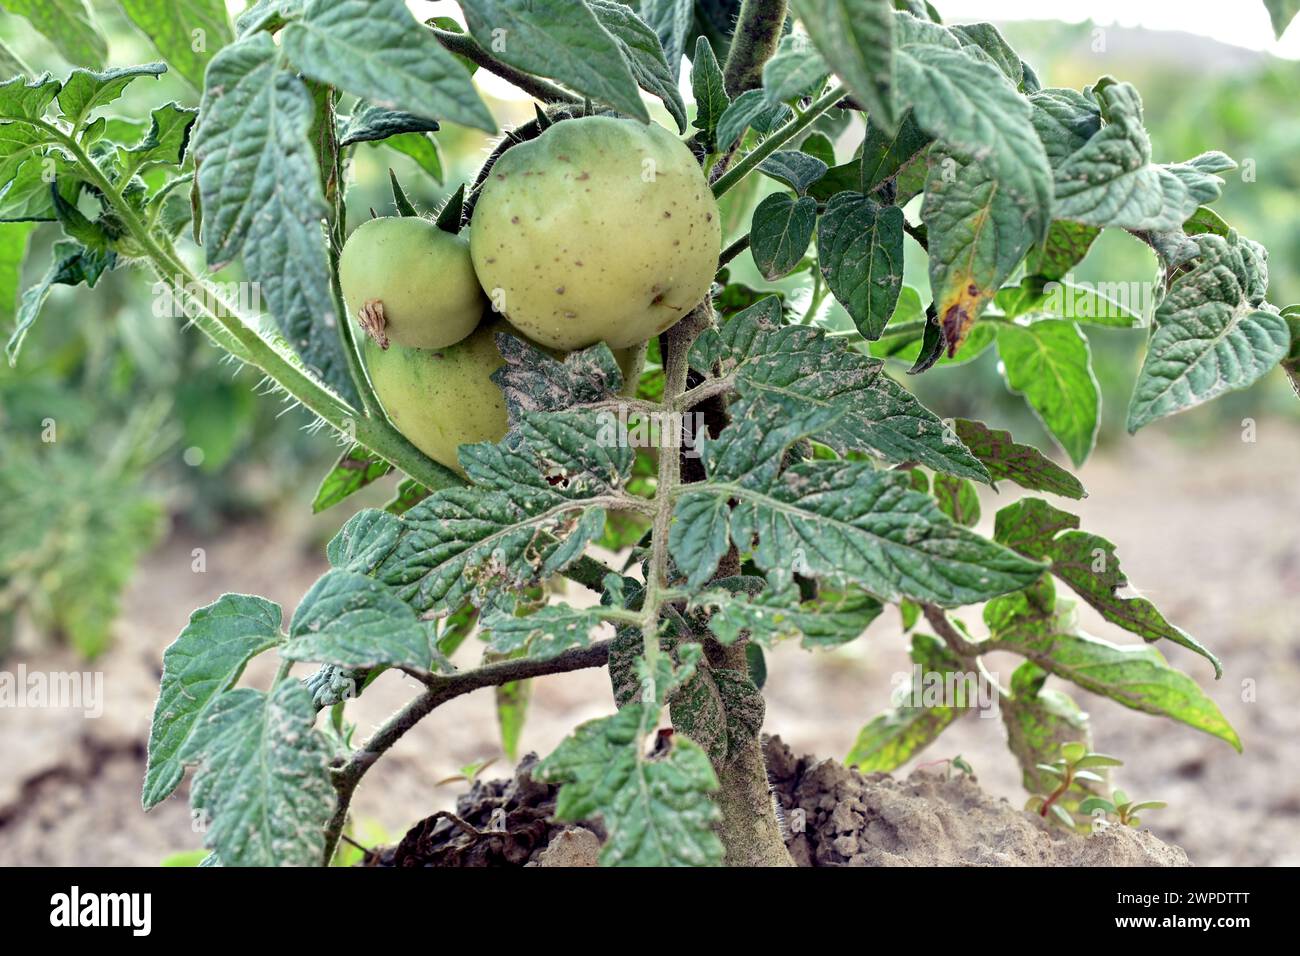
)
(1210, 535)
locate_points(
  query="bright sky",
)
(1242, 23)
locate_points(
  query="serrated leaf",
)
(830, 619)
(640, 46)
(21, 98)
(1137, 677)
(1065, 120)
(533, 381)
(1038, 721)
(356, 468)
(957, 499)
(840, 521)
(673, 21)
(539, 505)
(796, 70)
(72, 264)
(771, 361)
(860, 252)
(541, 634)
(1050, 364)
(709, 91)
(198, 667)
(263, 782)
(409, 494)
(421, 148)
(657, 811)
(1065, 247)
(1212, 336)
(796, 169)
(959, 96)
(780, 233)
(353, 620)
(69, 25)
(164, 143)
(1110, 180)
(856, 38)
(1089, 565)
(750, 109)
(978, 233)
(561, 40)
(369, 123)
(88, 90)
(261, 194)
(884, 154)
(1087, 305)
(1023, 464)
(377, 50)
(188, 33)
(989, 39)
(903, 731)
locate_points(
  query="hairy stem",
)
(776, 140)
(753, 43)
(467, 46)
(749, 830)
(441, 689)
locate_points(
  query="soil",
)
(1208, 534)
(831, 816)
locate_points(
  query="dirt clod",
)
(497, 823)
(844, 818)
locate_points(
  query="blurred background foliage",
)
(151, 426)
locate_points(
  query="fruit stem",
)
(777, 139)
(467, 46)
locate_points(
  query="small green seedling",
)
(1120, 807)
(468, 773)
(1074, 766)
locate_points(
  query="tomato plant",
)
(790, 487)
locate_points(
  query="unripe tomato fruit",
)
(600, 229)
(420, 276)
(444, 398)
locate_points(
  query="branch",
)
(733, 250)
(776, 140)
(467, 46)
(441, 689)
(954, 638)
(753, 43)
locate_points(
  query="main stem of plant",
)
(750, 833)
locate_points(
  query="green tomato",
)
(600, 229)
(410, 283)
(444, 398)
